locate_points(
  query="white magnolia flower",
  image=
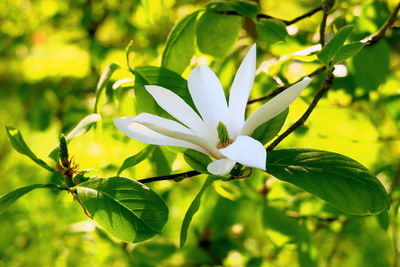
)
(220, 129)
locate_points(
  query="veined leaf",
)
(271, 31)
(8, 199)
(268, 130)
(126, 209)
(217, 33)
(332, 47)
(347, 51)
(18, 143)
(179, 48)
(197, 160)
(337, 179)
(136, 159)
(193, 208)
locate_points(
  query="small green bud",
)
(63, 151)
(223, 134)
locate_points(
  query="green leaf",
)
(102, 85)
(244, 8)
(347, 51)
(271, 31)
(193, 208)
(197, 160)
(217, 33)
(8, 199)
(268, 130)
(82, 127)
(371, 66)
(332, 47)
(126, 209)
(149, 75)
(179, 48)
(136, 159)
(337, 179)
(18, 143)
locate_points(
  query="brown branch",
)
(322, 29)
(280, 89)
(326, 85)
(176, 177)
(374, 38)
(286, 22)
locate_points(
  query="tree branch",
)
(280, 89)
(374, 38)
(326, 85)
(176, 177)
(286, 22)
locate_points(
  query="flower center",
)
(223, 136)
(224, 144)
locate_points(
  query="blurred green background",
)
(52, 54)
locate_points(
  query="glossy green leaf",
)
(180, 45)
(244, 8)
(268, 130)
(136, 159)
(18, 143)
(8, 199)
(332, 47)
(193, 208)
(217, 33)
(337, 179)
(102, 85)
(82, 127)
(197, 160)
(271, 31)
(347, 51)
(126, 209)
(149, 75)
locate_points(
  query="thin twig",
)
(322, 29)
(286, 22)
(326, 85)
(176, 177)
(336, 244)
(374, 38)
(280, 89)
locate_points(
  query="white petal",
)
(247, 151)
(208, 96)
(274, 107)
(178, 109)
(240, 92)
(176, 130)
(139, 132)
(221, 166)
